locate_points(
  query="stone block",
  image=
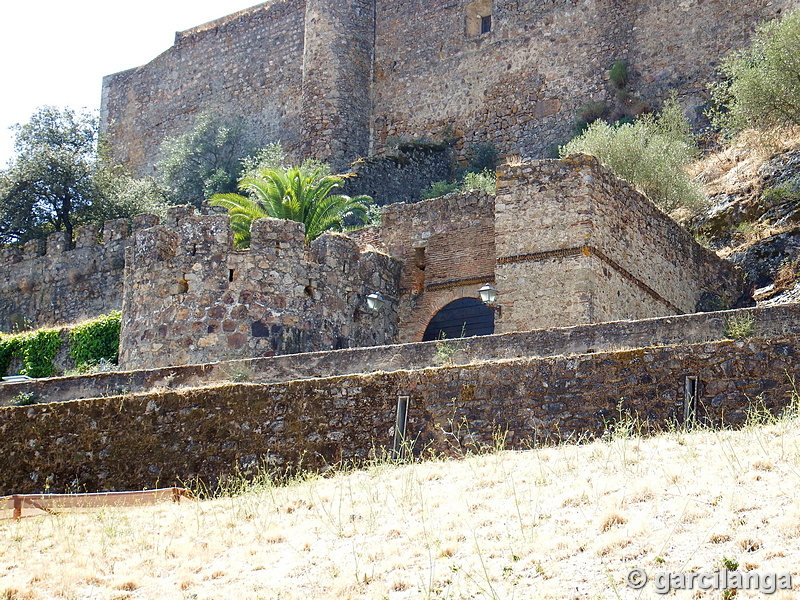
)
(57, 243)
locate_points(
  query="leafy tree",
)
(204, 161)
(294, 195)
(119, 195)
(652, 153)
(48, 186)
(762, 86)
(59, 180)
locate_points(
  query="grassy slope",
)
(562, 522)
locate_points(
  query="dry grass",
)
(561, 522)
(734, 170)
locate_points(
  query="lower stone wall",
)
(167, 437)
(769, 322)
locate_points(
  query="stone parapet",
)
(53, 283)
(190, 297)
(700, 328)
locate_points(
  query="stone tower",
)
(337, 74)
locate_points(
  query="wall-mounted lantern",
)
(375, 301)
(488, 294)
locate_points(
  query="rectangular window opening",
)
(230, 274)
(486, 24)
(399, 447)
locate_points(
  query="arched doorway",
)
(464, 317)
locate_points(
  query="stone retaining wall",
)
(776, 321)
(166, 437)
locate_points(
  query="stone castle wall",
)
(521, 84)
(446, 247)
(575, 244)
(337, 72)
(565, 242)
(337, 79)
(401, 176)
(248, 65)
(769, 322)
(167, 436)
(51, 284)
(191, 298)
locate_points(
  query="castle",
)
(563, 243)
(343, 79)
(595, 285)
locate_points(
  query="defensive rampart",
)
(190, 297)
(165, 437)
(50, 284)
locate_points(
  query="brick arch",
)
(419, 311)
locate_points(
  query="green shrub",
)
(39, 348)
(96, 340)
(92, 345)
(619, 73)
(588, 114)
(485, 181)
(788, 191)
(652, 153)
(9, 345)
(762, 87)
(439, 188)
(740, 327)
(24, 399)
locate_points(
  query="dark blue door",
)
(464, 317)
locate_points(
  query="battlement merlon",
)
(187, 234)
(53, 281)
(114, 231)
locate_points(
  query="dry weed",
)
(508, 524)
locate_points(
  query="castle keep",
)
(341, 79)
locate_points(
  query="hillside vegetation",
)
(558, 522)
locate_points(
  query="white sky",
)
(57, 52)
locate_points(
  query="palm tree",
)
(291, 194)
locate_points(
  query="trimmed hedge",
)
(9, 345)
(96, 339)
(39, 348)
(89, 342)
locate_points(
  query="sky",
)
(56, 52)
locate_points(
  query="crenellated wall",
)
(564, 242)
(191, 298)
(51, 284)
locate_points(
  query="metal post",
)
(401, 421)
